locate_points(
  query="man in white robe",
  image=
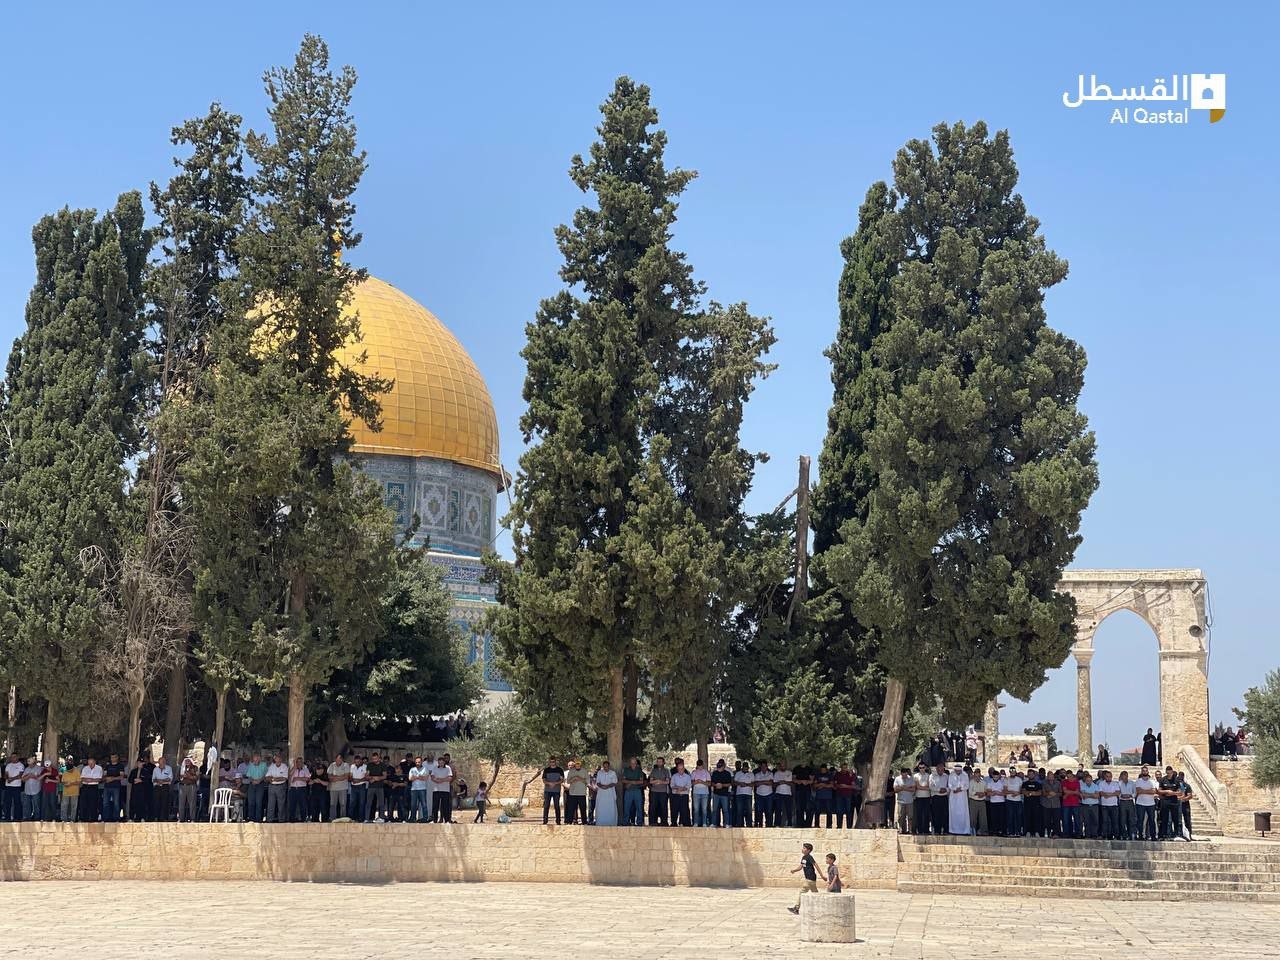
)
(958, 804)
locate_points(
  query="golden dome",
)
(439, 405)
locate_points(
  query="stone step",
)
(1042, 846)
(1099, 863)
(988, 888)
(978, 880)
(1120, 851)
(1182, 853)
(1172, 873)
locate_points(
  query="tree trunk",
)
(702, 749)
(800, 592)
(174, 704)
(50, 746)
(11, 721)
(337, 739)
(895, 698)
(298, 688)
(219, 718)
(135, 735)
(523, 787)
(617, 711)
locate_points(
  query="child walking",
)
(482, 798)
(810, 874)
(833, 875)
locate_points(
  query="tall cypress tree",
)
(702, 413)
(974, 464)
(272, 472)
(195, 294)
(73, 388)
(619, 558)
(837, 640)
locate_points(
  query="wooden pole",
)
(801, 592)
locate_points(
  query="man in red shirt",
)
(844, 796)
(1071, 821)
(49, 791)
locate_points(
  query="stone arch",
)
(1172, 602)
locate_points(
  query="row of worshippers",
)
(110, 791)
(360, 788)
(1065, 803)
(752, 794)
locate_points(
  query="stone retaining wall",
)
(406, 852)
(1244, 798)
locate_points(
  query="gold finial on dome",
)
(439, 405)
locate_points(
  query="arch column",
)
(1084, 702)
(1184, 701)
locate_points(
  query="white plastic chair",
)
(224, 802)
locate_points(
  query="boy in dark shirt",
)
(810, 874)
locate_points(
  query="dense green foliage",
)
(73, 391)
(418, 667)
(627, 522)
(270, 477)
(967, 463)
(846, 471)
(1261, 716)
(803, 719)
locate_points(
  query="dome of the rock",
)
(436, 456)
(439, 405)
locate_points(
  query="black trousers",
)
(441, 806)
(550, 798)
(161, 802)
(938, 805)
(680, 810)
(658, 808)
(922, 815)
(90, 808)
(803, 814)
(996, 819)
(1035, 817)
(575, 809)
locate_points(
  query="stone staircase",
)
(1172, 870)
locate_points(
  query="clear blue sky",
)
(470, 118)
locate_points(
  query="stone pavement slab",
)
(233, 920)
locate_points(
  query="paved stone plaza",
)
(230, 920)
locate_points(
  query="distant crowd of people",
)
(1229, 743)
(1038, 803)
(257, 789)
(752, 794)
